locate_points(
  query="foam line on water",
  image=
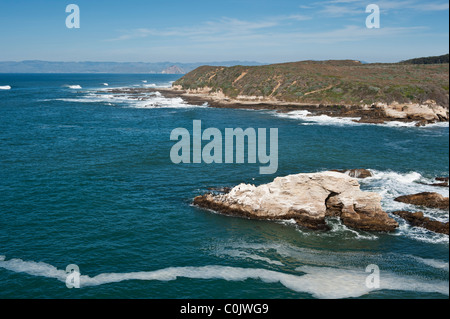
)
(438, 264)
(289, 254)
(236, 253)
(320, 282)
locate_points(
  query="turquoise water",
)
(86, 179)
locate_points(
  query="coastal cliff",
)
(373, 92)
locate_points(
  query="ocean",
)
(86, 179)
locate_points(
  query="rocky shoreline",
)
(422, 114)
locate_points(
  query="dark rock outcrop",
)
(419, 220)
(443, 182)
(431, 200)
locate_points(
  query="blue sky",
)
(206, 31)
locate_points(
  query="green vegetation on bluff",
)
(429, 60)
(327, 82)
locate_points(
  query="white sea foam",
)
(439, 124)
(320, 282)
(74, 87)
(420, 234)
(289, 254)
(306, 118)
(158, 86)
(438, 264)
(339, 228)
(148, 100)
(245, 255)
(391, 185)
(413, 124)
(105, 84)
(5, 87)
(399, 124)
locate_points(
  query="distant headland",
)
(413, 90)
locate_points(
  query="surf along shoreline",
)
(380, 113)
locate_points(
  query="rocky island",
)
(306, 198)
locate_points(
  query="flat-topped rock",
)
(306, 198)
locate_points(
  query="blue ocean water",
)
(86, 179)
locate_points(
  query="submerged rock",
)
(224, 190)
(431, 200)
(306, 198)
(419, 220)
(443, 182)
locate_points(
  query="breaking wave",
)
(391, 185)
(147, 100)
(306, 118)
(74, 87)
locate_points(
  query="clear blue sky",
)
(206, 31)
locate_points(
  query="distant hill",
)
(345, 82)
(174, 69)
(429, 60)
(36, 66)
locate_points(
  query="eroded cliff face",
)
(308, 199)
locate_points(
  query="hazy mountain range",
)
(36, 66)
